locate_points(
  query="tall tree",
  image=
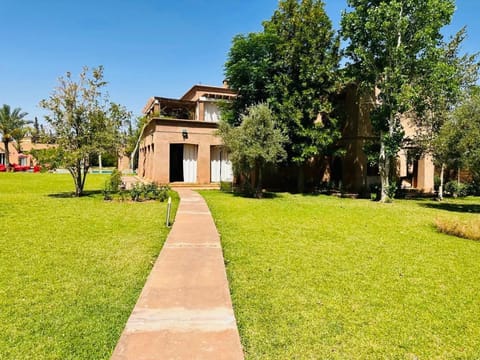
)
(390, 44)
(85, 122)
(447, 81)
(254, 144)
(305, 80)
(13, 127)
(35, 131)
(292, 65)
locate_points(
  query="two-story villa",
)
(179, 143)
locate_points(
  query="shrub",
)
(467, 230)
(115, 180)
(226, 186)
(136, 192)
(455, 189)
(141, 192)
(473, 188)
(107, 191)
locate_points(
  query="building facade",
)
(19, 154)
(179, 143)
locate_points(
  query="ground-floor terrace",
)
(183, 151)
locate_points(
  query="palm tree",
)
(12, 127)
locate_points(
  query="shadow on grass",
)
(462, 208)
(266, 195)
(71, 194)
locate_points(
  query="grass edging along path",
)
(71, 269)
(316, 277)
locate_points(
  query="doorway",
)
(183, 163)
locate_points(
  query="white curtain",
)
(212, 112)
(190, 153)
(221, 166)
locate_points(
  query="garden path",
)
(184, 310)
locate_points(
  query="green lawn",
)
(317, 277)
(71, 269)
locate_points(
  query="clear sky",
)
(148, 47)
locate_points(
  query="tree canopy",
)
(459, 137)
(86, 123)
(254, 144)
(292, 65)
(391, 45)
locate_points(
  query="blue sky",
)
(147, 47)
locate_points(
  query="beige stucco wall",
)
(358, 130)
(154, 155)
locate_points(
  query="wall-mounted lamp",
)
(185, 134)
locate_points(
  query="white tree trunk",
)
(384, 170)
(440, 188)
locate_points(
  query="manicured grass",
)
(71, 269)
(316, 277)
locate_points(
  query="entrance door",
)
(183, 163)
(176, 162)
(220, 165)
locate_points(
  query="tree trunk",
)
(384, 170)
(76, 172)
(440, 188)
(78, 183)
(7, 154)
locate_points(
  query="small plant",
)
(136, 192)
(456, 189)
(122, 195)
(163, 192)
(107, 191)
(392, 190)
(115, 180)
(226, 186)
(141, 192)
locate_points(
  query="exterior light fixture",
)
(185, 134)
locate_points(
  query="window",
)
(212, 112)
(2, 159)
(23, 161)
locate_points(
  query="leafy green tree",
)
(391, 44)
(254, 144)
(249, 70)
(459, 137)
(13, 127)
(442, 87)
(85, 122)
(292, 65)
(306, 78)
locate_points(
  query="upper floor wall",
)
(200, 103)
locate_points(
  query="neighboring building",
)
(19, 155)
(179, 143)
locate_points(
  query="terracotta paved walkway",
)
(184, 310)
